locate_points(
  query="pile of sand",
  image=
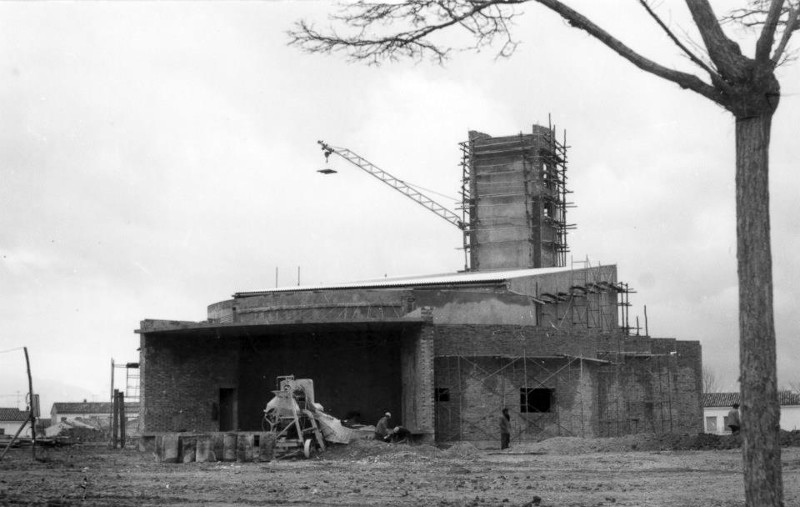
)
(571, 445)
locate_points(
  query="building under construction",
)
(517, 329)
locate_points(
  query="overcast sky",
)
(158, 157)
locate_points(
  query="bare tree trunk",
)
(760, 410)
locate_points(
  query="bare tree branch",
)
(682, 79)
(755, 15)
(483, 19)
(710, 381)
(675, 39)
(792, 21)
(699, 49)
(767, 37)
(726, 54)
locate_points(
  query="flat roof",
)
(418, 281)
(234, 329)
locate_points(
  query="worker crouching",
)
(384, 432)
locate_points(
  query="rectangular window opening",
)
(536, 400)
(442, 394)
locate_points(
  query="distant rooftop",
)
(418, 281)
(728, 399)
(13, 414)
(88, 407)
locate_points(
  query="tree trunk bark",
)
(761, 450)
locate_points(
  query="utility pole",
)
(32, 415)
(32, 407)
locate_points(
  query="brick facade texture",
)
(598, 385)
(180, 381)
(447, 382)
(365, 371)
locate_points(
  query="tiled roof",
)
(728, 399)
(13, 414)
(720, 399)
(89, 407)
(788, 398)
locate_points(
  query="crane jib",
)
(393, 182)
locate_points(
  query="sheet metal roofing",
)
(728, 399)
(417, 281)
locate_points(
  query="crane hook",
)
(326, 150)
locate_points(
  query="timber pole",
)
(21, 427)
(32, 404)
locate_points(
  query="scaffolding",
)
(595, 299)
(131, 381)
(635, 394)
(552, 160)
(543, 189)
(621, 391)
(467, 202)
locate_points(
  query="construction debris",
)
(294, 425)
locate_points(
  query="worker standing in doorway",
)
(505, 429)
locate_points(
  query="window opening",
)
(532, 400)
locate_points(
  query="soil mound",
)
(643, 442)
(577, 445)
(375, 450)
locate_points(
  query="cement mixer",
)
(289, 415)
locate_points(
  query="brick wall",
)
(417, 379)
(480, 387)
(365, 370)
(690, 385)
(181, 378)
(603, 385)
(313, 306)
(479, 340)
(477, 306)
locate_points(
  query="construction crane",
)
(390, 180)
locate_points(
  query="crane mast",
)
(393, 182)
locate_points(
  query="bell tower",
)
(514, 198)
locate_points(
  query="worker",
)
(733, 419)
(400, 435)
(505, 429)
(382, 431)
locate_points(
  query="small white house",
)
(11, 419)
(717, 405)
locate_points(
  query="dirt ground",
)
(631, 471)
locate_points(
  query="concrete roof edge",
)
(461, 278)
(187, 325)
